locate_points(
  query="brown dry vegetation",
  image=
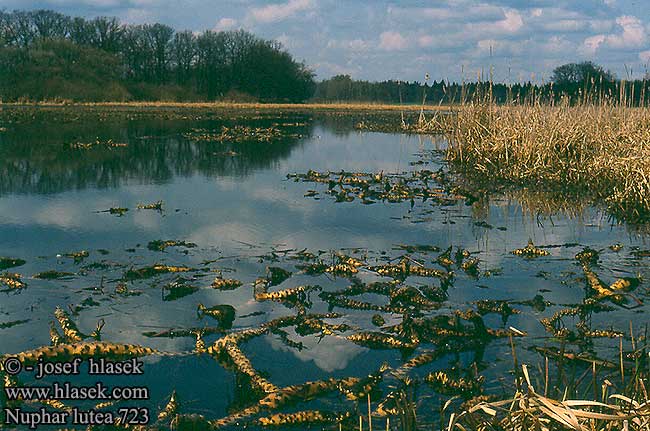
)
(530, 410)
(258, 106)
(603, 150)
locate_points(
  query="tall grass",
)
(603, 149)
(529, 409)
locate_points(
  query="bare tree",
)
(49, 24)
(106, 34)
(159, 36)
(183, 50)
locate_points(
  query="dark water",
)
(239, 209)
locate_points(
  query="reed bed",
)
(603, 150)
(530, 410)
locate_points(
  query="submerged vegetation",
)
(405, 293)
(407, 305)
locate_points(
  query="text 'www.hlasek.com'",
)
(56, 399)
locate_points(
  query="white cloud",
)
(500, 47)
(354, 45)
(591, 44)
(511, 23)
(280, 11)
(565, 25)
(557, 45)
(601, 25)
(328, 69)
(225, 24)
(441, 42)
(450, 13)
(329, 354)
(426, 41)
(138, 16)
(284, 39)
(97, 3)
(644, 56)
(392, 41)
(358, 45)
(291, 43)
(632, 35)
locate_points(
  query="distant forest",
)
(573, 82)
(45, 55)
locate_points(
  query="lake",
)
(265, 198)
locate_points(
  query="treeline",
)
(574, 82)
(48, 55)
(45, 55)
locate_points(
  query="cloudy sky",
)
(382, 39)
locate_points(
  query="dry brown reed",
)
(530, 410)
(601, 149)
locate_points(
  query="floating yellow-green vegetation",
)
(72, 344)
(239, 134)
(420, 302)
(170, 409)
(11, 281)
(442, 382)
(7, 325)
(118, 211)
(70, 332)
(152, 206)
(616, 247)
(122, 289)
(378, 320)
(77, 256)
(293, 294)
(530, 251)
(8, 262)
(369, 188)
(54, 275)
(588, 256)
(555, 325)
(616, 292)
(98, 143)
(152, 271)
(404, 301)
(160, 245)
(221, 283)
(301, 418)
(419, 248)
(503, 308)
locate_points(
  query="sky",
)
(518, 40)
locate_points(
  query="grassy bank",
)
(237, 105)
(601, 150)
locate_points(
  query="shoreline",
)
(238, 105)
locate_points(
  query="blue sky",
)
(381, 39)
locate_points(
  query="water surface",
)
(235, 202)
